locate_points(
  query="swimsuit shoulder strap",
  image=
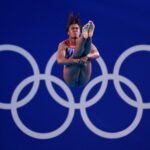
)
(68, 42)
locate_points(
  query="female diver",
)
(77, 52)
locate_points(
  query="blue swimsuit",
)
(69, 51)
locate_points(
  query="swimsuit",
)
(70, 50)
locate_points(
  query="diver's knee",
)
(82, 83)
(70, 83)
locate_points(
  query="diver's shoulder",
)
(63, 43)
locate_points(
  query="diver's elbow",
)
(97, 55)
(59, 61)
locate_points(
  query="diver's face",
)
(74, 31)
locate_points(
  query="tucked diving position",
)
(77, 51)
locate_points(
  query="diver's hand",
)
(83, 59)
(74, 61)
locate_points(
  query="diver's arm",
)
(61, 52)
(93, 53)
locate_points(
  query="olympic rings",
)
(34, 66)
(134, 123)
(118, 64)
(70, 102)
(29, 132)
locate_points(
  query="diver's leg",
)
(80, 43)
(86, 68)
(89, 39)
(87, 46)
(85, 73)
(71, 73)
(79, 49)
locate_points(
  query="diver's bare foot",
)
(85, 30)
(91, 28)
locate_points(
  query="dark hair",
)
(73, 20)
